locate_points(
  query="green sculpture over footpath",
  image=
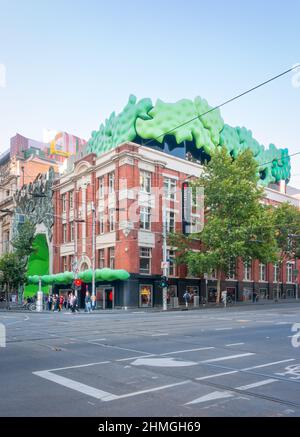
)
(191, 121)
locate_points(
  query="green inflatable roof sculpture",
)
(185, 121)
(86, 276)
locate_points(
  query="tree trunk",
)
(7, 296)
(218, 287)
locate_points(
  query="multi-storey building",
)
(124, 192)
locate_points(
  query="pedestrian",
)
(187, 298)
(50, 302)
(61, 302)
(88, 302)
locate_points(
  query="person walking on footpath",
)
(187, 298)
(88, 302)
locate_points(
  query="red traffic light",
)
(77, 282)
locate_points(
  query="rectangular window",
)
(72, 231)
(262, 272)
(170, 221)
(71, 263)
(6, 242)
(247, 271)
(101, 223)
(111, 257)
(145, 218)
(172, 265)
(64, 230)
(111, 219)
(111, 183)
(145, 182)
(101, 187)
(101, 259)
(231, 269)
(289, 272)
(170, 188)
(64, 202)
(145, 260)
(64, 264)
(276, 272)
(71, 199)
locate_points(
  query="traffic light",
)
(164, 282)
(77, 283)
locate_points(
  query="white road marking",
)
(134, 358)
(78, 386)
(269, 364)
(257, 384)
(95, 392)
(230, 357)
(223, 329)
(98, 339)
(211, 397)
(189, 350)
(283, 323)
(216, 375)
(234, 344)
(77, 367)
(162, 362)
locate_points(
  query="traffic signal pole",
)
(165, 268)
(93, 255)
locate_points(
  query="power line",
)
(225, 103)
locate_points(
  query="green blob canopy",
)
(86, 276)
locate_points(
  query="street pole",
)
(165, 268)
(93, 255)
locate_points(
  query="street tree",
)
(12, 274)
(236, 221)
(286, 222)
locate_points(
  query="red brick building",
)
(123, 192)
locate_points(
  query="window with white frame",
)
(231, 269)
(171, 221)
(101, 187)
(71, 262)
(64, 264)
(289, 272)
(111, 182)
(171, 255)
(145, 218)
(111, 220)
(145, 260)
(262, 272)
(71, 199)
(111, 257)
(64, 202)
(72, 231)
(101, 222)
(145, 182)
(170, 188)
(101, 259)
(64, 232)
(195, 223)
(276, 272)
(247, 270)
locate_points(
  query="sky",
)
(67, 64)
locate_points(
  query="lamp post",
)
(295, 272)
(93, 255)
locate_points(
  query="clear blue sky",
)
(71, 63)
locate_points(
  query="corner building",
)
(123, 191)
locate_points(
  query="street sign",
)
(165, 264)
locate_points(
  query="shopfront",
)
(145, 295)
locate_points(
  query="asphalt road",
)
(209, 362)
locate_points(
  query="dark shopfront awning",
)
(86, 276)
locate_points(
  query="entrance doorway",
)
(105, 298)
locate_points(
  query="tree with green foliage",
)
(286, 222)
(236, 221)
(23, 241)
(12, 273)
